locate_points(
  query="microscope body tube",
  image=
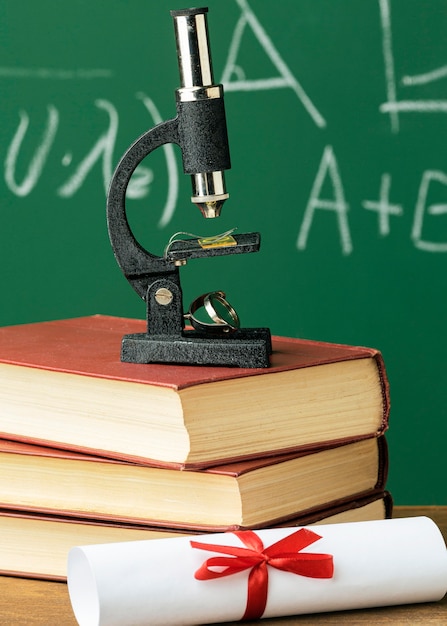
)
(202, 126)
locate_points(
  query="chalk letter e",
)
(423, 209)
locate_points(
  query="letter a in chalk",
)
(285, 77)
(328, 166)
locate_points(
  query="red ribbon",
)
(284, 555)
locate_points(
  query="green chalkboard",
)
(337, 121)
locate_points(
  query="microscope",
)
(200, 130)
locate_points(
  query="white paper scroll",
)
(375, 563)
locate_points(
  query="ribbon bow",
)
(284, 555)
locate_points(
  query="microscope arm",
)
(137, 264)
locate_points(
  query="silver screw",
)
(163, 296)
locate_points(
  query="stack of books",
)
(94, 450)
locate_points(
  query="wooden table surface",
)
(30, 602)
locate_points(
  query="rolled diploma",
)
(376, 563)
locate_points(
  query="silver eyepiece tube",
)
(193, 51)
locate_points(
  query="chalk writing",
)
(102, 150)
(236, 80)
(424, 210)
(285, 79)
(383, 207)
(38, 160)
(393, 106)
(328, 167)
(426, 77)
(171, 163)
(54, 73)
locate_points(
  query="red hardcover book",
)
(36, 545)
(248, 494)
(62, 383)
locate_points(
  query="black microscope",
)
(200, 130)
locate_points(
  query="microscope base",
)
(244, 348)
